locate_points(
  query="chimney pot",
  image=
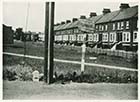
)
(92, 14)
(124, 6)
(57, 24)
(82, 17)
(74, 19)
(68, 21)
(105, 11)
(62, 22)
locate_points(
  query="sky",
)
(15, 13)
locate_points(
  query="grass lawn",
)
(74, 54)
(67, 53)
(99, 91)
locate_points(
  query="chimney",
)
(92, 14)
(105, 11)
(68, 21)
(57, 24)
(74, 19)
(124, 6)
(82, 17)
(62, 22)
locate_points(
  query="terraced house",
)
(115, 30)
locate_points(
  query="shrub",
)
(111, 76)
(17, 72)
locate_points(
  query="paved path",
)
(73, 62)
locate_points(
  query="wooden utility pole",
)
(49, 39)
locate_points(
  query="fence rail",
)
(73, 62)
(120, 53)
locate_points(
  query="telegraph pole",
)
(49, 39)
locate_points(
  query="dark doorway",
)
(119, 36)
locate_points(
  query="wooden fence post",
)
(83, 57)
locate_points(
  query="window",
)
(70, 37)
(122, 25)
(58, 32)
(105, 37)
(95, 37)
(135, 36)
(73, 37)
(106, 27)
(96, 27)
(118, 26)
(90, 37)
(68, 31)
(126, 36)
(112, 36)
(113, 26)
(102, 27)
(127, 24)
(76, 31)
(64, 37)
(60, 37)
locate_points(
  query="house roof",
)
(57, 27)
(108, 17)
(112, 16)
(87, 25)
(73, 24)
(67, 26)
(127, 13)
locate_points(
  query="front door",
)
(100, 37)
(119, 36)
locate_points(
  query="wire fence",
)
(119, 53)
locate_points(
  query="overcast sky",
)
(15, 13)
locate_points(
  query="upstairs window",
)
(69, 31)
(100, 27)
(127, 24)
(106, 27)
(113, 26)
(96, 27)
(118, 26)
(76, 31)
(122, 25)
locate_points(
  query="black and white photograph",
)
(67, 50)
